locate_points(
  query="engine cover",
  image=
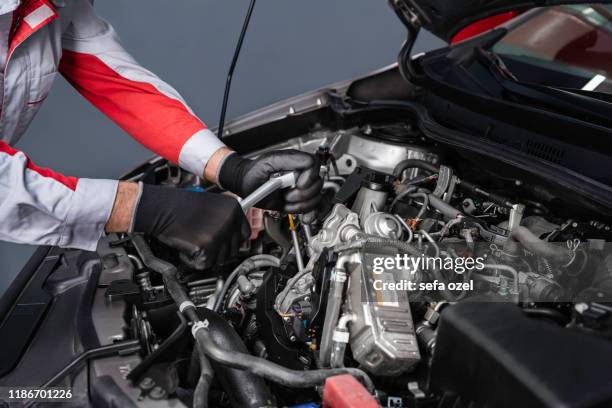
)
(382, 334)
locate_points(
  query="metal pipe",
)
(510, 270)
(334, 302)
(202, 282)
(296, 244)
(340, 339)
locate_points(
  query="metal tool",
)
(277, 182)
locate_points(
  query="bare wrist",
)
(123, 208)
(213, 165)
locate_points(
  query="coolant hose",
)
(166, 269)
(547, 250)
(414, 163)
(448, 211)
(200, 395)
(244, 389)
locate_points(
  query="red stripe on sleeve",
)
(159, 122)
(70, 182)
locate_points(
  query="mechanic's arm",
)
(143, 105)
(152, 112)
(41, 207)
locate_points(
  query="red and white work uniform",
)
(38, 39)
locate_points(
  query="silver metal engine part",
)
(382, 333)
(383, 225)
(370, 199)
(377, 154)
(341, 226)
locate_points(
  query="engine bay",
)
(408, 231)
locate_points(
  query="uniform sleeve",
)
(143, 105)
(41, 207)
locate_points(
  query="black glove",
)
(243, 176)
(206, 228)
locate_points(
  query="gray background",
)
(291, 47)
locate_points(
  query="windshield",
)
(564, 46)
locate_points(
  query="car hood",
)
(445, 18)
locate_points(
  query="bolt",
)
(147, 383)
(157, 393)
(292, 338)
(581, 307)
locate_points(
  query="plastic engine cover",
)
(492, 355)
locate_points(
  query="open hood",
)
(445, 18)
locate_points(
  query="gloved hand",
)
(206, 228)
(243, 176)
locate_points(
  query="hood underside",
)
(446, 18)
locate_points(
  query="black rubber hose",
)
(200, 395)
(244, 389)
(547, 250)
(166, 269)
(272, 371)
(412, 164)
(206, 344)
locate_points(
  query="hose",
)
(447, 210)
(200, 395)
(244, 389)
(272, 371)
(544, 249)
(250, 264)
(425, 198)
(239, 360)
(414, 163)
(166, 269)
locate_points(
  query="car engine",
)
(407, 231)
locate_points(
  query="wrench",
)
(276, 182)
